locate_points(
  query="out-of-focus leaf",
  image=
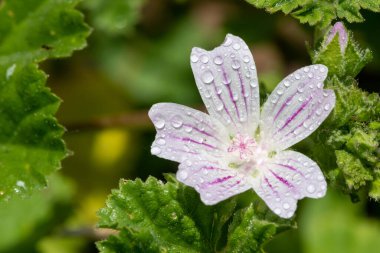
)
(154, 70)
(116, 16)
(334, 224)
(26, 220)
(319, 12)
(155, 217)
(30, 141)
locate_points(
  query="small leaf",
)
(319, 12)
(155, 217)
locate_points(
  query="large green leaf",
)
(30, 137)
(320, 12)
(155, 217)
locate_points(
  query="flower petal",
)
(184, 133)
(287, 177)
(214, 183)
(227, 81)
(296, 108)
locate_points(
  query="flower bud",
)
(341, 30)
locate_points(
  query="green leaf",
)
(334, 224)
(31, 144)
(319, 12)
(116, 16)
(155, 217)
(26, 220)
(346, 145)
(342, 62)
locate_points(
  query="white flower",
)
(236, 147)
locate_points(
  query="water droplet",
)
(218, 90)
(235, 64)
(161, 141)
(177, 121)
(183, 175)
(218, 60)
(155, 150)
(297, 76)
(204, 58)
(188, 129)
(246, 58)
(227, 80)
(306, 69)
(194, 58)
(219, 107)
(326, 107)
(253, 67)
(286, 83)
(322, 69)
(10, 71)
(310, 75)
(319, 85)
(235, 97)
(286, 206)
(300, 99)
(159, 122)
(236, 46)
(253, 83)
(280, 92)
(277, 211)
(207, 77)
(207, 94)
(311, 188)
(20, 183)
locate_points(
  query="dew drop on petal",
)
(183, 175)
(161, 141)
(286, 83)
(286, 206)
(297, 76)
(207, 77)
(326, 107)
(194, 58)
(204, 59)
(235, 64)
(246, 58)
(236, 46)
(277, 211)
(311, 189)
(159, 122)
(177, 121)
(155, 150)
(253, 83)
(218, 60)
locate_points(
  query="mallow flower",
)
(237, 146)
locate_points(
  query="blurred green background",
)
(138, 55)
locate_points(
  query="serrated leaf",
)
(319, 12)
(346, 145)
(342, 60)
(30, 138)
(116, 16)
(34, 30)
(155, 217)
(31, 144)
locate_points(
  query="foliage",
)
(319, 12)
(156, 217)
(28, 220)
(114, 17)
(31, 144)
(347, 144)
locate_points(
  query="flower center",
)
(244, 145)
(247, 155)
